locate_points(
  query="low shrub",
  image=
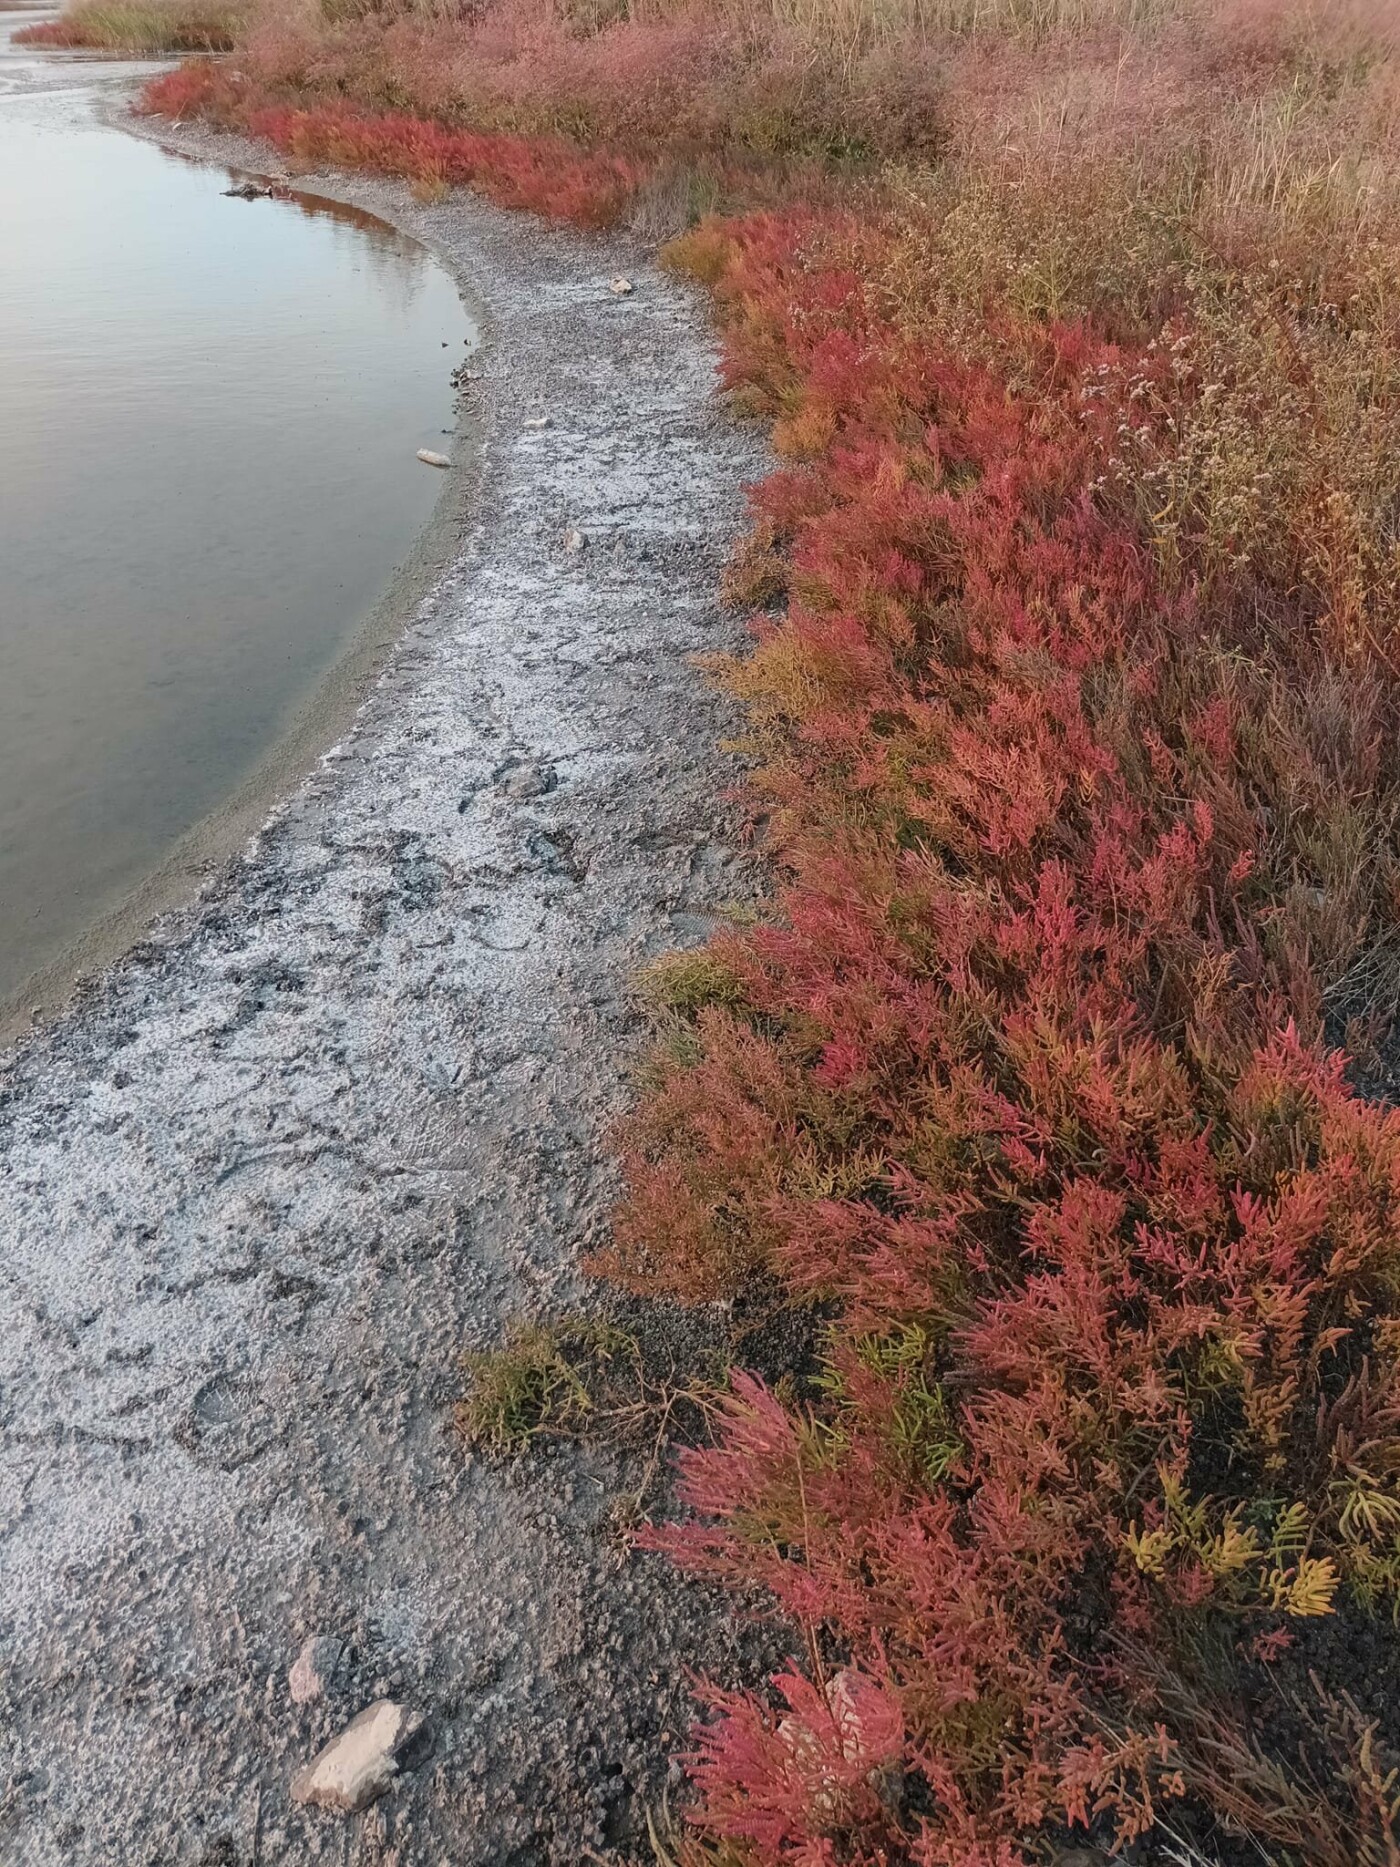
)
(1075, 704)
(1029, 1079)
(517, 171)
(144, 26)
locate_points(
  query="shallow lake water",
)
(209, 411)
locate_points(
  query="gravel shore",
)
(332, 1124)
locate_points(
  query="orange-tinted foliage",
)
(54, 32)
(517, 171)
(1080, 736)
(1028, 1079)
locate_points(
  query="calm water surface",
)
(209, 410)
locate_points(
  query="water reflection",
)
(209, 410)
(395, 261)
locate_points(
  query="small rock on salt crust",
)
(357, 1767)
(313, 1668)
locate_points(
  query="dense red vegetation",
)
(517, 171)
(53, 32)
(1027, 1079)
(1076, 700)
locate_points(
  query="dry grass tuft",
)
(145, 26)
(545, 1380)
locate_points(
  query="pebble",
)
(313, 1668)
(574, 539)
(356, 1768)
(430, 459)
(621, 287)
(529, 781)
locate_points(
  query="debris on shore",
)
(356, 1767)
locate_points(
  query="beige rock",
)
(858, 1744)
(312, 1668)
(621, 287)
(359, 1765)
(430, 459)
(574, 539)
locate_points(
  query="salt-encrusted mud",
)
(328, 1127)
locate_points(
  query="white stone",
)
(359, 1765)
(528, 781)
(430, 459)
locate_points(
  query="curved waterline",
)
(211, 518)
